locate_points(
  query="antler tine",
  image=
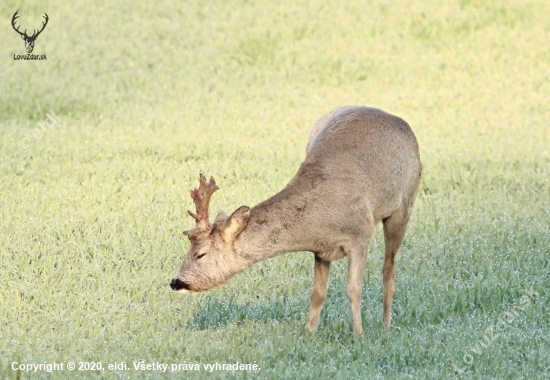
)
(201, 198)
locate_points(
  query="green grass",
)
(148, 96)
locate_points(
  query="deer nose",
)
(177, 284)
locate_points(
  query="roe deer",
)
(362, 167)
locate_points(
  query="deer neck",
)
(275, 226)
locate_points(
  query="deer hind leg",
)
(395, 227)
(357, 258)
(320, 286)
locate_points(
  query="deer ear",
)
(220, 218)
(235, 224)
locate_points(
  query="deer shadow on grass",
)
(215, 313)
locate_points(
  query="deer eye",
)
(201, 256)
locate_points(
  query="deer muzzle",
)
(180, 286)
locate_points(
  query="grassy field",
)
(147, 96)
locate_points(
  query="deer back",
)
(365, 156)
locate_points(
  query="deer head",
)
(29, 40)
(212, 259)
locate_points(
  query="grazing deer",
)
(362, 167)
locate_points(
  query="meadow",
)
(146, 96)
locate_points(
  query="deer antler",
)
(13, 19)
(36, 33)
(201, 197)
(24, 34)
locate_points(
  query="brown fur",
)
(362, 167)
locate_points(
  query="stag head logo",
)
(29, 40)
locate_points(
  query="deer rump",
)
(362, 167)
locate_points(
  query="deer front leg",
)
(357, 258)
(320, 286)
